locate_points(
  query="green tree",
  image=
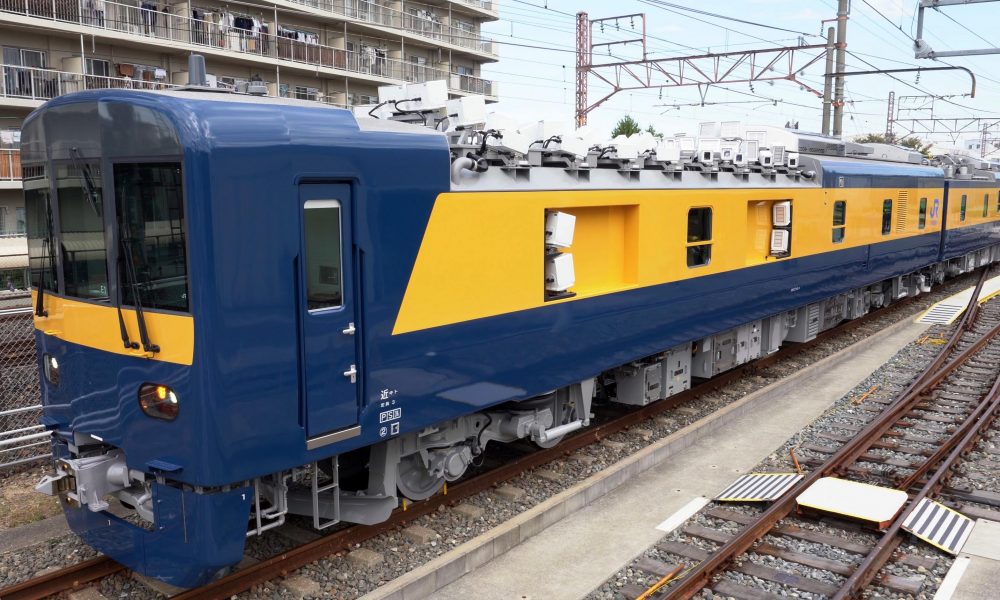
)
(626, 126)
(916, 144)
(912, 142)
(653, 132)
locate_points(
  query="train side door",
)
(328, 344)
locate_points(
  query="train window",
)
(923, 214)
(986, 205)
(81, 230)
(961, 210)
(886, 216)
(998, 203)
(36, 202)
(324, 288)
(151, 233)
(839, 221)
(699, 237)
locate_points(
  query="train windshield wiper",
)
(89, 189)
(40, 298)
(125, 235)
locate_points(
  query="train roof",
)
(159, 123)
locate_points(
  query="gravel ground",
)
(337, 577)
(20, 503)
(841, 419)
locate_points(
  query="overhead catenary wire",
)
(560, 22)
(662, 4)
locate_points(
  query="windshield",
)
(150, 217)
(36, 206)
(81, 230)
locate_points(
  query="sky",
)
(536, 70)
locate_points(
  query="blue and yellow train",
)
(248, 307)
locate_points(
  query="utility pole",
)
(584, 57)
(838, 96)
(828, 82)
(888, 118)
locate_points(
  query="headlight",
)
(158, 401)
(51, 368)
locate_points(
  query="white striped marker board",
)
(939, 526)
(759, 487)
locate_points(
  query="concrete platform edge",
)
(427, 579)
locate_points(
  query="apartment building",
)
(332, 51)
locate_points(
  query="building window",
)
(961, 208)
(21, 226)
(923, 214)
(886, 217)
(306, 93)
(324, 287)
(23, 57)
(839, 221)
(463, 26)
(98, 67)
(699, 237)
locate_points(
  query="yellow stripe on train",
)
(482, 252)
(96, 326)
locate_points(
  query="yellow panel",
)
(483, 252)
(974, 207)
(605, 248)
(96, 326)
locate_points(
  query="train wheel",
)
(413, 479)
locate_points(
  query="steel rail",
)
(964, 438)
(282, 564)
(64, 579)
(701, 576)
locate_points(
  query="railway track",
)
(342, 540)
(914, 444)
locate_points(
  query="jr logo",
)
(935, 211)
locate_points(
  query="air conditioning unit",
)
(740, 159)
(765, 158)
(559, 227)
(467, 110)
(792, 158)
(559, 272)
(778, 154)
(781, 214)
(779, 242)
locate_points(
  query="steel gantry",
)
(701, 71)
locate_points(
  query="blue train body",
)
(261, 380)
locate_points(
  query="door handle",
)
(350, 329)
(352, 373)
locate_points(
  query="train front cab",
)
(109, 196)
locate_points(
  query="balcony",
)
(30, 83)
(10, 167)
(480, 4)
(127, 19)
(133, 19)
(369, 11)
